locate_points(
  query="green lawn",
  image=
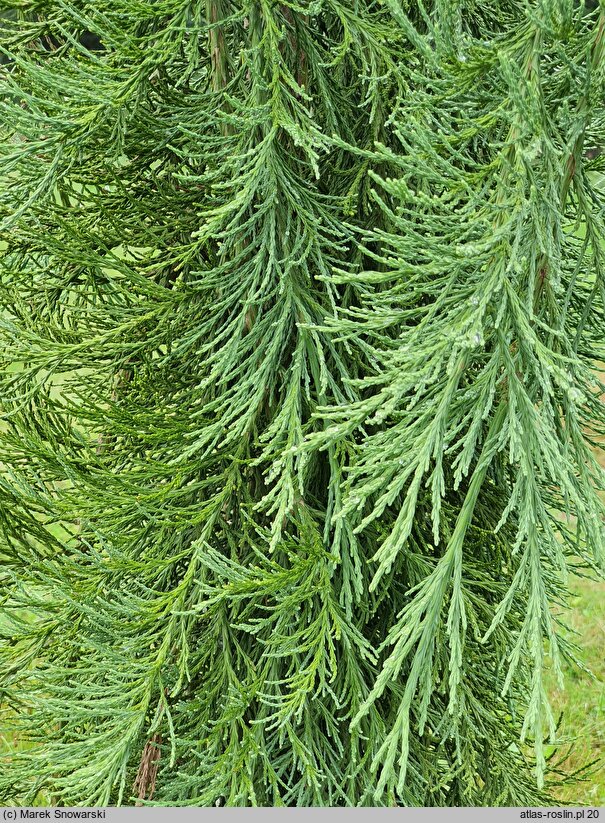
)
(582, 701)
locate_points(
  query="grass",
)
(582, 701)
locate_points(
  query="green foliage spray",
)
(301, 310)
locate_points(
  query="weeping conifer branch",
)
(348, 260)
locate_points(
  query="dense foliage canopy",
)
(301, 309)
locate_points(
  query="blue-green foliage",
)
(301, 307)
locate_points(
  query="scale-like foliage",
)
(302, 306)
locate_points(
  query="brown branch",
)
(144, 785)
(215, 12)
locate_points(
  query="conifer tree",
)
(302, 311)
